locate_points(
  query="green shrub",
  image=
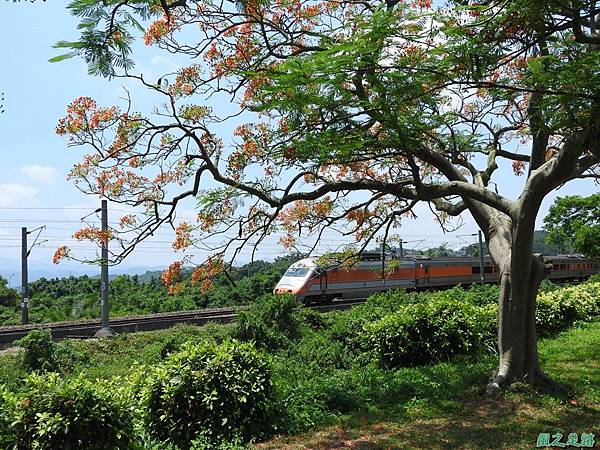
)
(548, 286)
(422, 333)
(482, 295)
(559, 309)
(39, 350)
(348, 326)
(50, 413)
(272, 322)
(208, 393)
(594, 278)
(299, 396)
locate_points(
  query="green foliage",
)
(73, 298)
(40, 351)
(594, 278)
(422, 333)
(51, 413)
(271, 322)
(8, 296)
(211, 394)
(557, 310)
(575, 221)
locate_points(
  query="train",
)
(312, 283)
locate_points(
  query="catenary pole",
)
(24, 278)
(105, 329)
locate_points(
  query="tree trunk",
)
(517, 342)
(520, 279)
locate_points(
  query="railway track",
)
(83, 329)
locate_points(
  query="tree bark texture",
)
(521, 273)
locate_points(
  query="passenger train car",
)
(312, 283)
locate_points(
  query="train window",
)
(475, 270)
(563, 267)
(489, 269)
(296, 272)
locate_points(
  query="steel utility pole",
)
(401, 249)
(24, 281)
(481, 268)
(105, 330)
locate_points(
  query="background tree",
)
(574, 221)
(354, 113)
(8, 296)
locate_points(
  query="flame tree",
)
(354, 112)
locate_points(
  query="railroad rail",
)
(83, 329)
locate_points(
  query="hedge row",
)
(456, 322)
(559, 309)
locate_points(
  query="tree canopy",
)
(575, 221)
(353, 113)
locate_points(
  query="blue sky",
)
(36, 160)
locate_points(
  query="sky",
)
(33, 188)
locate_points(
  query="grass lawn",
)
(469, 420)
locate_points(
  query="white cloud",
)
(158, 60)
(15, 194)
(46, 174)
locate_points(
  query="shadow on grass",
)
(478, 424)
(442, 406)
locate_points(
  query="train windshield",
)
(297, 272)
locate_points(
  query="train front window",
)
(297, 272)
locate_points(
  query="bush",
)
(557, 310)
(348, 326)
(40, 351)
(50, 413)
(594, 278)
(208, 393)
(271, 322)
(422, 333)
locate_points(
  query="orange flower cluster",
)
(288, 241)
(60, 253)
(239, 159)
(290, 217)
(212, 52)
(251, 88)
(358, 215)
(114, 182)
(170, 276)
(183, 236)
(206, 220)
(206, 273)
(518, 167)
(323, 207)
(82, 169)
(127, 220)
(76, 117)
(157, 30)
(82, 115)
(423, 4)
(194, 113)
(102, 116)
(93, 234)
(186, 81)
(127, 124)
